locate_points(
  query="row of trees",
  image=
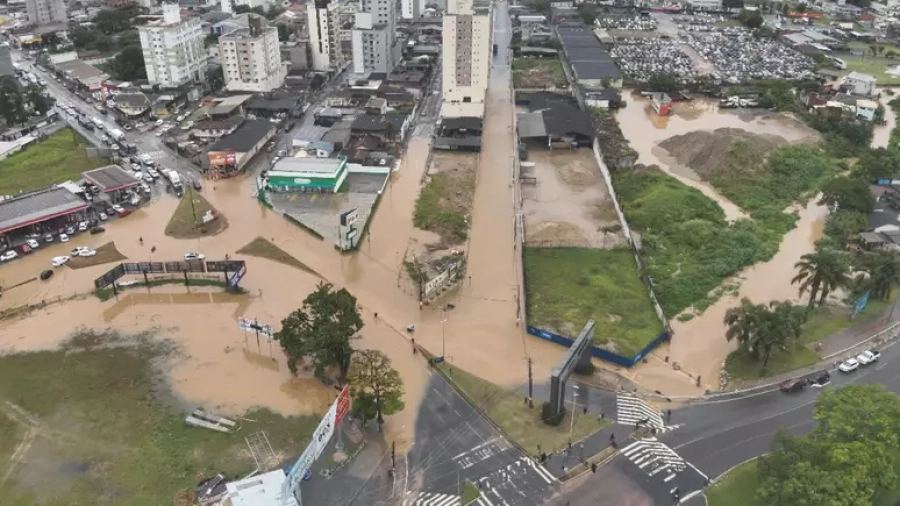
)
(764, 329)
(321, 332)
(847, 459)
(17, 103)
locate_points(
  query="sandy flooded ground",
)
(565, 201)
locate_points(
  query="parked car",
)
(70, 230)
(26, 249)
(103, 216)
(135, 167)
(32, 243)
(118, 209)
(194, 256)
(849, 365)
(63, 237)
(48, 237)
(868, 357)
(153, 173)
(98, 230)
(59, 261)
(793, 385)
(82, 226)
(83, 251)
(9, 255)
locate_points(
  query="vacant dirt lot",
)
(445, 203)
(565, 201)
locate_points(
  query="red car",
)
(793, 385)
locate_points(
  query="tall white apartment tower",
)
(173, 49)
(412, 9)
(251, 57)
(466, 57)
(46, 12)
(324, 23)
(373, 41)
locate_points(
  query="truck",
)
(495, 49)
(117, 134)
(173, 177)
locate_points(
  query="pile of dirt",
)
(707, 152)
(551, 234)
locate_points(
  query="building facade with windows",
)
(324, 25)
(375, 48)
(466, 55)
(46, 12)
(251, 57)
(173, 49)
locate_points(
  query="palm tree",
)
(882, 268)
(821, 272)
(744, 324)
(761, 329)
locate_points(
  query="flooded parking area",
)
(565, 202)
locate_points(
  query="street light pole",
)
(444, 337)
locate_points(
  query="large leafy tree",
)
(128, 65)
(821, 272)
(761, 329)
(375, 385)
(848, 194)
(840, 225)
(881, 272)
(322, 330)
(38, 100)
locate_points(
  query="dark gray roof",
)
(596, 70)
(603, 94)
(883, 216)
(462, 123)
(378, 122)
(132, 99)
(244, 138)
(275, 104)
(36, 207)
(110, 178)
(457, 141)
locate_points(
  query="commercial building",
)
(859, 83)
(467, 43)
(46, 12)
(324, 24)
(251, 58)
(87, 77)
(39, 212)
(173, 49)
(705, 5)
(231, 154)
(373, 42)
(306, 175)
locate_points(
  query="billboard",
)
(237, 276)
(110, 277)
(349, 218)
(222, 158)
(319, 441)
(860, 304)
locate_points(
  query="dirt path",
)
(20, 417)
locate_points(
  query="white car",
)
(194, 256)
(148, 178)
(9, 255)
(117, 208)
(83, 251)
(82, 226)
(103, 216)
(59, 261)
(135, 167)
(849, 365)
(63, 237)
(153, 173)
(32, 243)
(868, 357)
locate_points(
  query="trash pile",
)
(633, 23)
(638, 59)
(739, 56)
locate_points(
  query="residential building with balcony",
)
(173, 49)
(467, 40)
(324, 26)
(251, 57)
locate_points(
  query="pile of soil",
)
(707, 152)
(551, 234)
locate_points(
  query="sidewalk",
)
(856, 332)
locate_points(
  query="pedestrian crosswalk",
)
(631, 410)
(655, 458)
(432, 499)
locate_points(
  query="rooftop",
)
(259, 490)
(244, 138)
(859, 76)
(36, 207)
(379, 123)
(110, 178)
(81, 70)
(310, 165)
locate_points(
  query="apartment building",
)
(173, 49)
(251, 57)
(324, 26)
(466, 56)
(46, 12)
(374, 45)
(412, 9)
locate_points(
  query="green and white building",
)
(306, 175)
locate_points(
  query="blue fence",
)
(600, 352)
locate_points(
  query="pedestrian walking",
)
(141, 240)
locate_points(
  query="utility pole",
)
(444, 332)
(530, 380)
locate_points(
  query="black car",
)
(46, 275)
(196, 185)
(793, 385)
(98, 230)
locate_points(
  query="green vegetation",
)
(58, 158)
(743, 365)
(105, 254)
(827, 320)
(520, 422)
(187, 220)
(261, 247)
(568, 286)
(104, 433)
(876, 67)
(470, 493)
(538, 73)
(436, 212)
(688, 247)
(858, 420)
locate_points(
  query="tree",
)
(751, 19)
(760, 329)
(821, 272)
(664, 82)
(38, 100)
(859, 413)
(322, 330)
(840, 225)
(733, 4)
(128, 65)
(284, 33)
(379, 385)
(848, 194)
(215, 77)
(881, 272)
(878, 163)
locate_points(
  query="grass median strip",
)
(521, 423)
(261, 247)
(187, 220)
(105, 254)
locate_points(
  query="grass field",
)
(521, 423)
(186, 223)
(538, 73)
(58, 158)
(104, 434)
(568, 286)
(105, 254)
(261, 247)
(874, 66)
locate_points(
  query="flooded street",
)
(882, 133)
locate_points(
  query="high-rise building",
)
(373, 42)
(324, 24)
(173, 49)
(412, 9)
(46, 12)
(251, 57)
(466, 56)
